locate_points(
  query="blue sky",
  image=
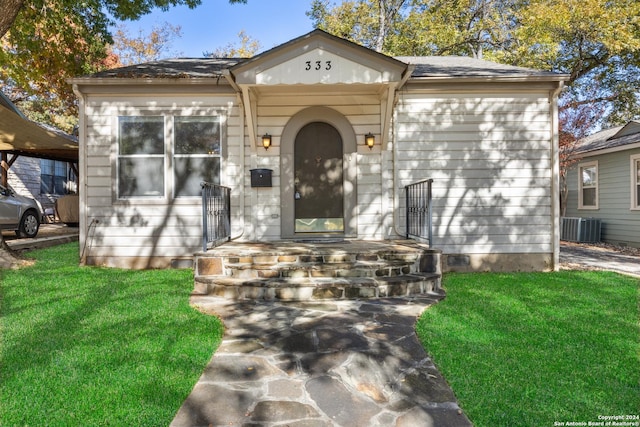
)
(215, 24)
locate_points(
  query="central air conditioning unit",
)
(580, 230)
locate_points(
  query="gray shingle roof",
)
(460, 66)
(173, 68)
(425, 67)
(610, 138)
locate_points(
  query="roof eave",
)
(493, 79)
(607, 150)
(147, 81)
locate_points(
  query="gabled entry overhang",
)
(314, 63)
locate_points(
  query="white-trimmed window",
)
(588, 185)
(196, 154)
(141, 157)
(56, 178)
(151, 148)
(635, 181)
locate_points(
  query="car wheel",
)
(29, 224)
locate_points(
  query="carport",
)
(20, 136)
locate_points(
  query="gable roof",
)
(319, 42)
(633, 127)
(614, 139)
(423, 67)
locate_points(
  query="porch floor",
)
(317, 269)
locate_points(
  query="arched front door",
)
(318, 180)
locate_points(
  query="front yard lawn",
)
(538, 349)
(96, 346)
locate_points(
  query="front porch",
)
(322, 269)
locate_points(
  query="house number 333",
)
(317, 65)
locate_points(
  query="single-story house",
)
(344, 129)
(604, 184)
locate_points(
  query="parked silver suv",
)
(19, 213)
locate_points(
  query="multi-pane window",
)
(588, 188)
(196, 154)
(141, 157)
(55, 177)
(193, 155)
(635, 182)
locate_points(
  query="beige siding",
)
(362, 110)
(263, 215)
(24, 178)
(370, 197)
(490, 158)
(146, 232)
(262, 204)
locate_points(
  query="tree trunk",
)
(8, 258)
(564, 195)
(382, 25)
(10, 9)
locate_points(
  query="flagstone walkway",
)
(326, 363)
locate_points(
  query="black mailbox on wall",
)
(261, 177)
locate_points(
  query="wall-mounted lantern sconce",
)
(266, 141)
(369, 140)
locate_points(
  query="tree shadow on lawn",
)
(565, 342)
(84, 341)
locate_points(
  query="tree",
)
(10, 10)
(145, 47)
(466, 28)
(593, 41)
(120, 10)
(596, 42)
(365, 22)
(576, 122)
(418, 27)
(8, 258)
(248, 48)
(49, 41)
(44, 48)
(44, 42)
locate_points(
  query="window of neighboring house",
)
(588, 188)
(635, 181)
(196, 154)
(55, 177)
(141, 157)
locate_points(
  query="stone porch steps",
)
(320, 288)
(306, 271)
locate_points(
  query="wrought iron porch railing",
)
(419, 211)
(216, 215)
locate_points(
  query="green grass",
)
(534, 349)
(96, 346)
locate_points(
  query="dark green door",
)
(318, 193)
